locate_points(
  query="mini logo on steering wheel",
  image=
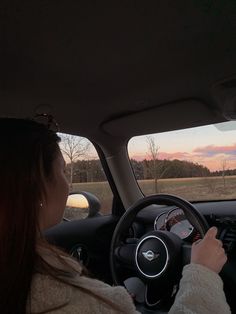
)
(150, 255)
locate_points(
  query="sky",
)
(210, 146)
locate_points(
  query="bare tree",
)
(74, 147)
(157, 167)
(153, 150)
(223, 169)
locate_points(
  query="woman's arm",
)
(201, 288)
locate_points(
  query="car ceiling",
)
(95, 63)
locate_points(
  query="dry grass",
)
(192, 189)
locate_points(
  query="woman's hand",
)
(209, 251)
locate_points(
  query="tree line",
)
(86, 171)
(92, 171)
(227, 172)
(164, 169)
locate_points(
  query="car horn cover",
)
(151, 256)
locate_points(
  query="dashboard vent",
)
(228, 237)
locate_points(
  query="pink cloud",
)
(211, 150)
(163, 155)
(176, 155)
(209, 156)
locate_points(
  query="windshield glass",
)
(196, 163)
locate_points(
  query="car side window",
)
(91, 193)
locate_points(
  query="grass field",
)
(192, 189)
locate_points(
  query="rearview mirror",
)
(81, 205)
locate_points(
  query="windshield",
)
(196, 163)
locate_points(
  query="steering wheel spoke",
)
(157, 292)
(136, 288)
(186, 253)
(125, 254)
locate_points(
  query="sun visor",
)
(171, 116)
(224, 93)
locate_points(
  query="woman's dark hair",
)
(27, 151)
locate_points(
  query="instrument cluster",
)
(176, 222)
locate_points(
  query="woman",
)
(37, 278)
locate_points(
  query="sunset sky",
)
(207, 145)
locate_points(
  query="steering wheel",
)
(150, 267)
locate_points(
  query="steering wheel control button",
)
(151, 256)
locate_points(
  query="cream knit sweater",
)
(200, 292)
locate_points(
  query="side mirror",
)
(81, 205)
